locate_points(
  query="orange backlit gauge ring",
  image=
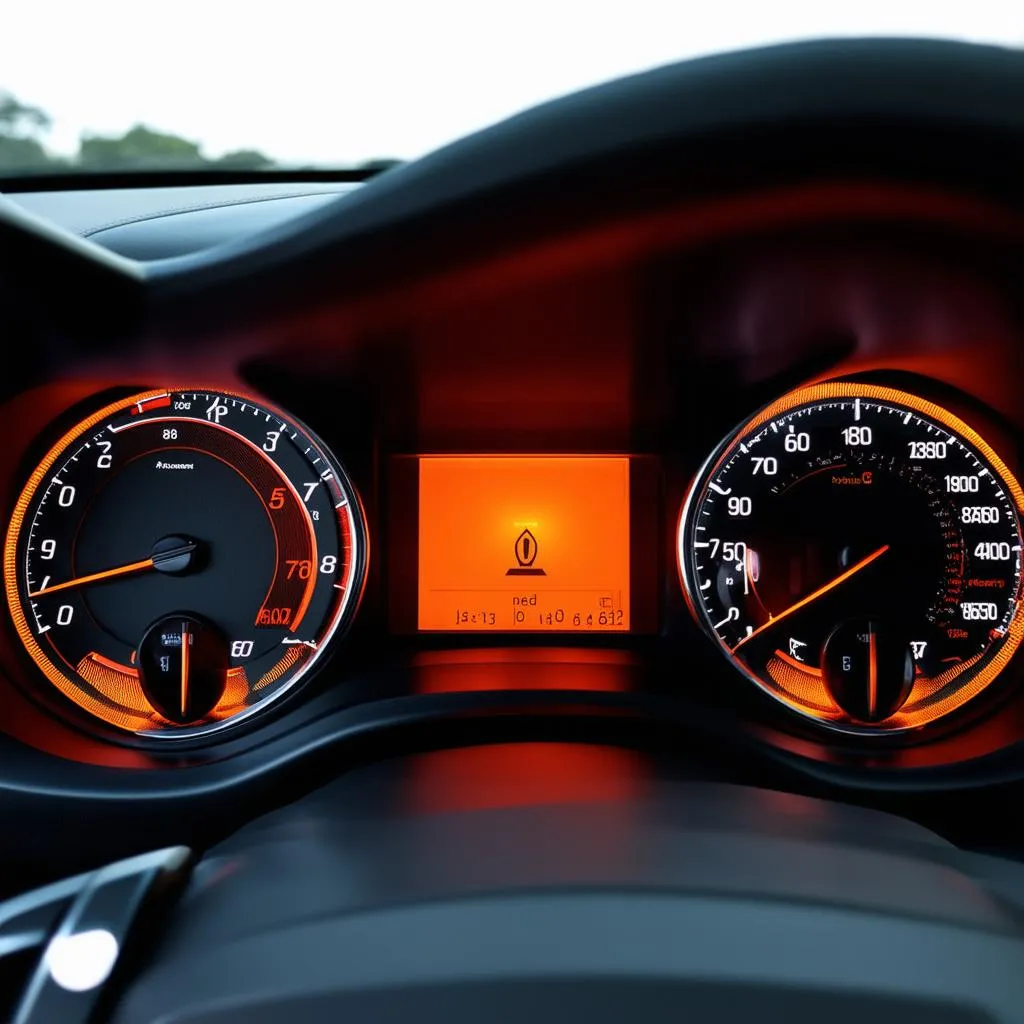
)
(856, 551)
(182, 558)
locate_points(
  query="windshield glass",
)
(122, 85)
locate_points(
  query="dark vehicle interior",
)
(573, 575)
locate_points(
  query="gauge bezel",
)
(41, 665)
(810, 395)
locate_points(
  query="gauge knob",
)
(868, 669)
(183, 667)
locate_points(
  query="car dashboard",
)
(692, 452)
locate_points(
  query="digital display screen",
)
(531, 544)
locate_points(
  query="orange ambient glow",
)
(524, 543)
(525, 774)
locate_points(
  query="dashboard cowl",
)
(802, 107)
(438, 875)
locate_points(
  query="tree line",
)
(22, 150)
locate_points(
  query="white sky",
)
(339, 81)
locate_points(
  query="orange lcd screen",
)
(510, 543)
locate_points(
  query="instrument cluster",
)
(180, 561)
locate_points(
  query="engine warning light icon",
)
(526, 555)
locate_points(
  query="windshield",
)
(113, 85)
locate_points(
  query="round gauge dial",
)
(182, 558)
(856, 552)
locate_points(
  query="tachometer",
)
(856, 552)
(182, 558)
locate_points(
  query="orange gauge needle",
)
(184, 667)
(814, 595)
(95, 577)
(167, 560)
(872, 671)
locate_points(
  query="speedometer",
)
(856, 551)
(182, 558)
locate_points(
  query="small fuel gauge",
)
(868, 669)
(183, 667)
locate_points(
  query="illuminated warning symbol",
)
(526, 549)
(526, 555)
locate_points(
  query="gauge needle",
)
(814, 595)
(120, 570)
(95, 577)
(185, 637)
(872, 671)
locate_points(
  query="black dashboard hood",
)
(807, 95)
(929, 110)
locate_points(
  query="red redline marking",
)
(152, 403)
